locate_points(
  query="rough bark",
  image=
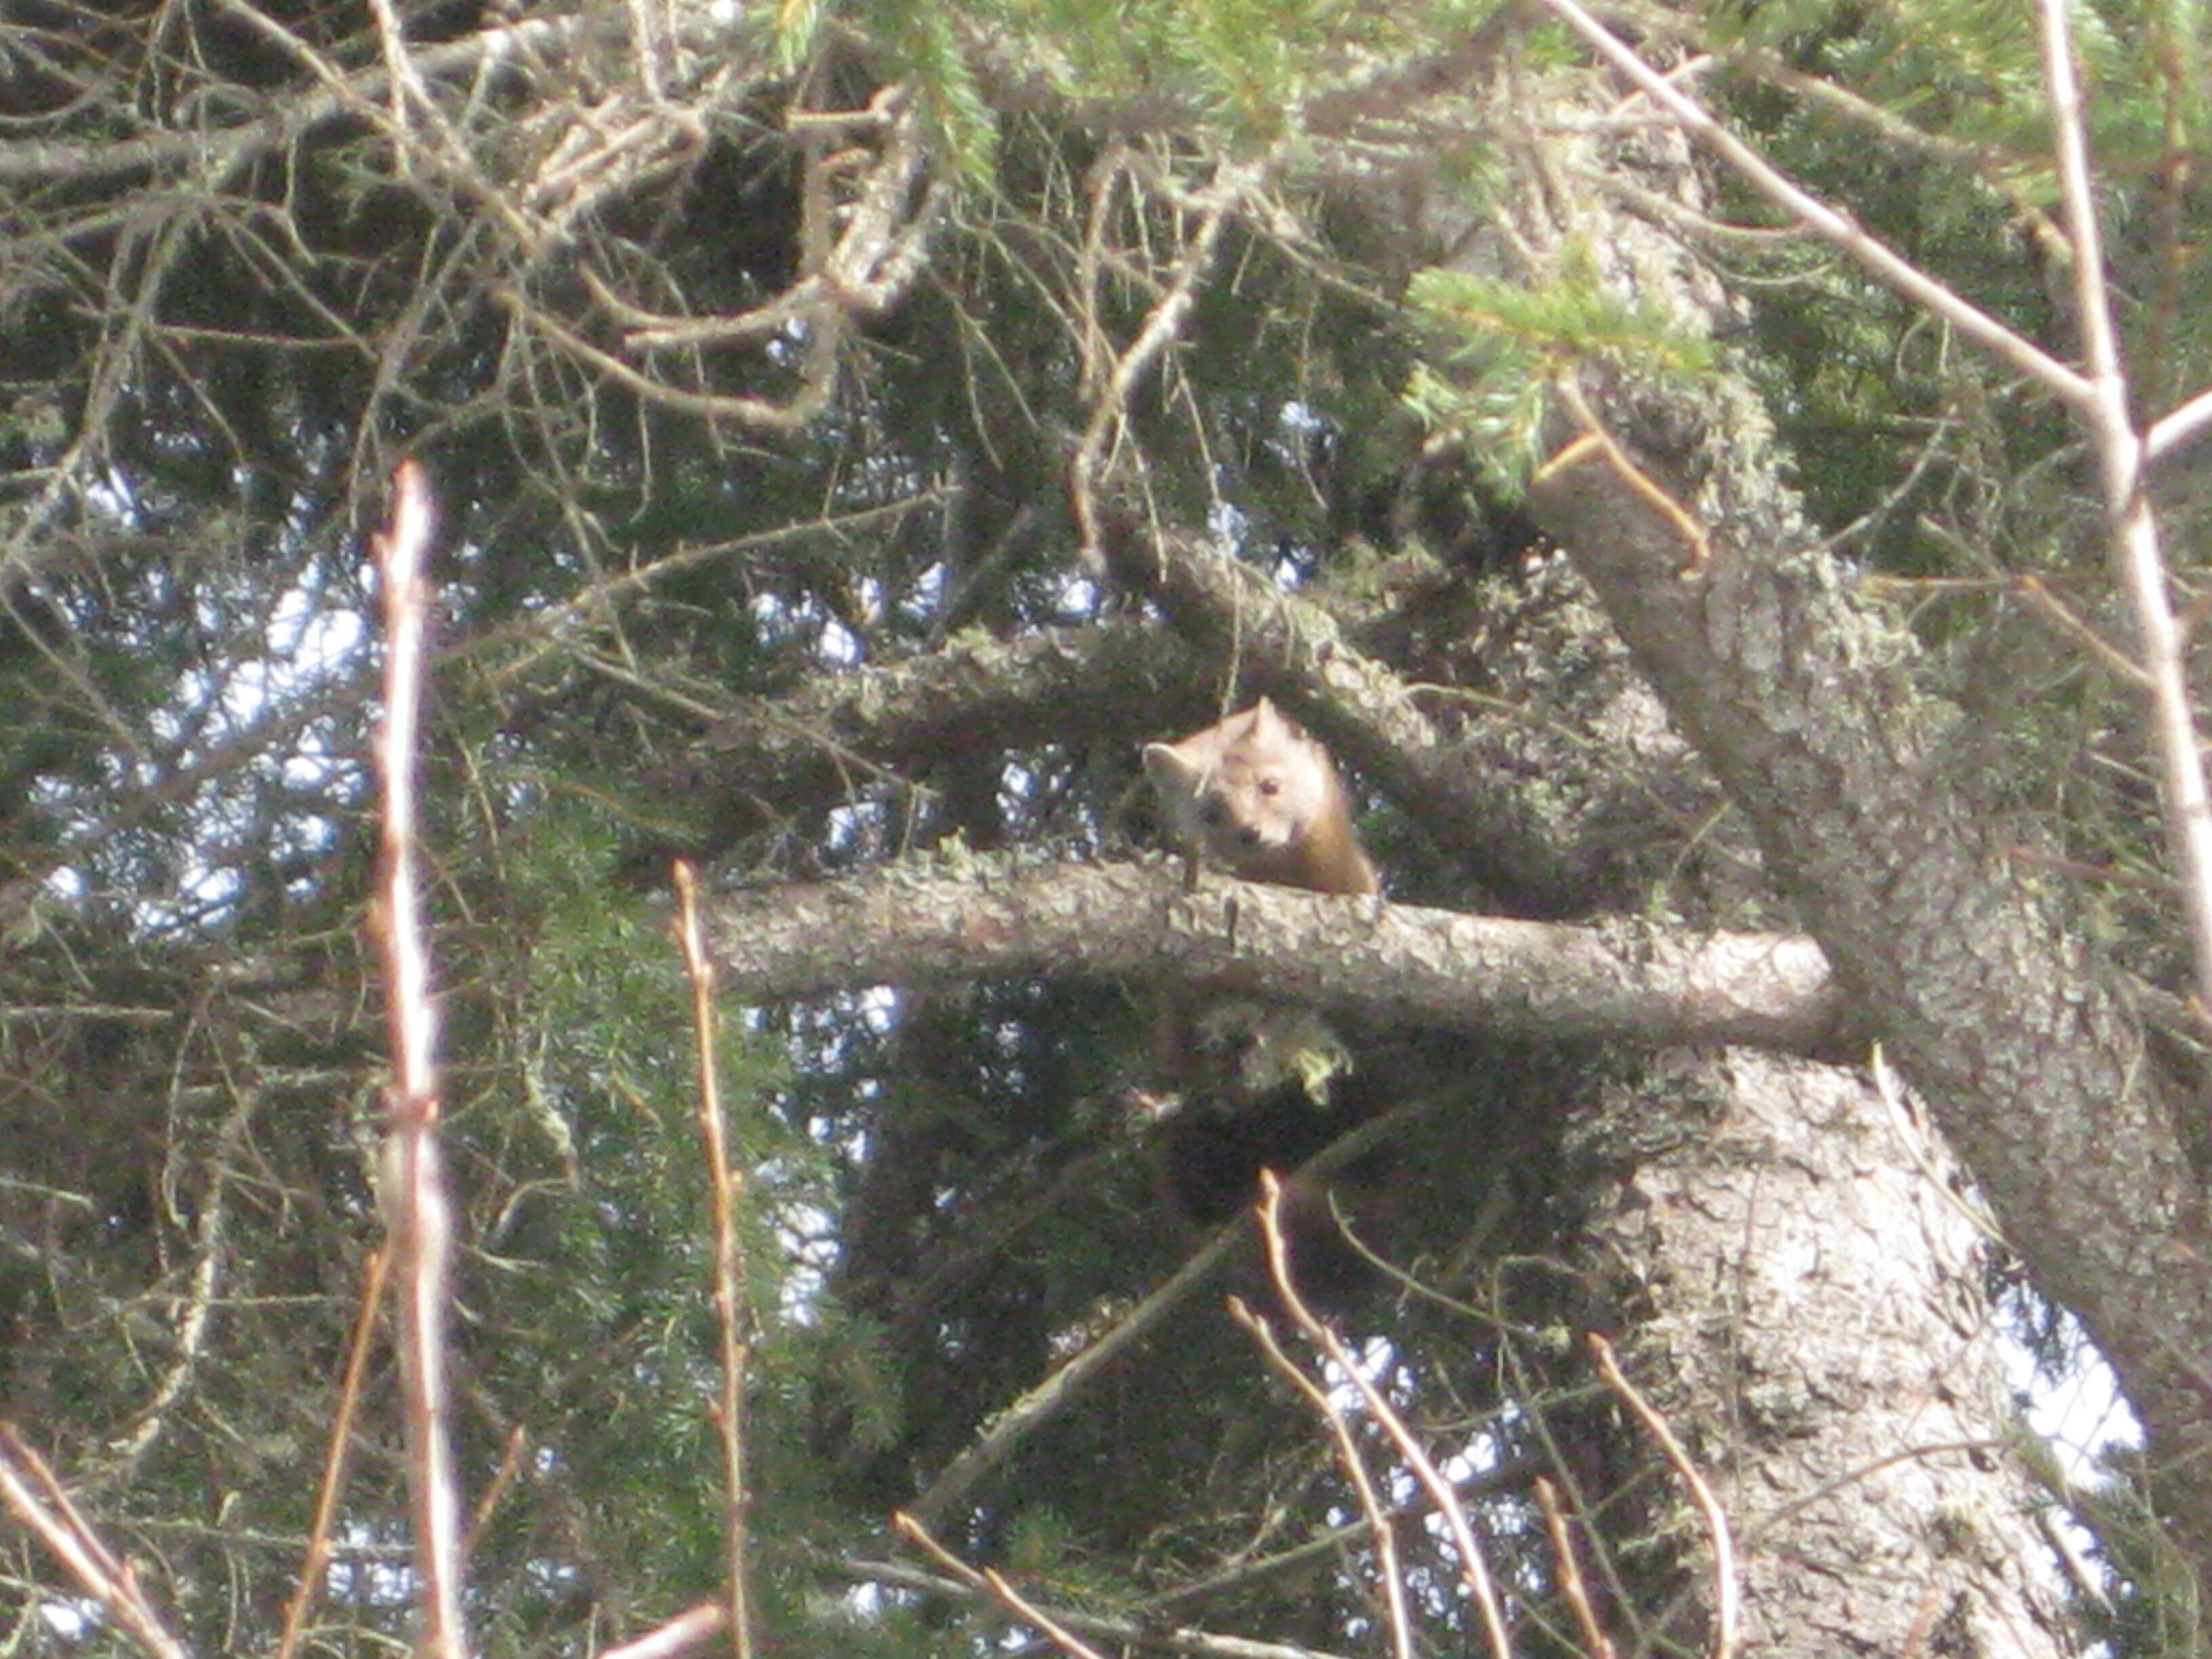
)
(1397, 964)
(1801, 698)
(975, 695)
(1815, 1333)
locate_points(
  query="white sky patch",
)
(2080, 1415)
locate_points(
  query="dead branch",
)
(314, 1564)
(1325, 1406)
(2162, 644)
(959, 1579)
(1888, 267)
(1595, 1643)
(37, 1499)
(1474, 1569)
(1727, 1604)
(725, 1189)
(418, 1215)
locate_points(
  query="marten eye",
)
(1271, 786)
(1211, 811)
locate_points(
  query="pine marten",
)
(1259, 1084)
(1259, 797)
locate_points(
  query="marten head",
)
(1259, 797)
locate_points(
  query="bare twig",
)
(994, 1583)
(37, 1499)
(914, 1532)
(1815, 214)
(1015, 1603)
(1474, 1570)
(510, 1456)
(2041, 599)
(1917, 1137)
(1230, 186)
(1510, 1475)
(1327, 1406)
(1698, 549)
(2180, 428)
(818, 372)
(1011, 1427)
(1595, 1643)
(694, 1627)
(724, 1186)
(596, 603)
(317, 1560)
(1728, 1608)
(418, 1215)
(2161, 645)
(1131, 1634)
(211, 1250)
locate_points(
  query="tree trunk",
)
(1869, 808)
(1803, 1267)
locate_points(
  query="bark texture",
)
(1865, 798)
(1808, 1268)
(1383, 963)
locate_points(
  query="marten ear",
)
(1171, 773)
(1267, 726)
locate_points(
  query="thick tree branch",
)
(978, 694)
(826, 742)
(2034, 1070)
(1389, 963)
(1289, 647)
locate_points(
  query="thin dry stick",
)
(2140, 562)
(725, 1184)
(1727, 1609)
(212, 1248)
(510, 1465)
(916, 1533)
(1130, 1632)
(693, 1627)
(1698, 549)
(994, 1584)
(2180, 428)
(1012, 1426)
(1326, 1408)
(316, 1564)
(418, 1216)
(1815, 214)
(1063, 1638)
(1509, 1475)
(1162, 325)
(2041, 599)
(1472, 1565)
(37, 1499)
(1595, 1642)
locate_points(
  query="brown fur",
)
(1257, 796)
(1259, 1083)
